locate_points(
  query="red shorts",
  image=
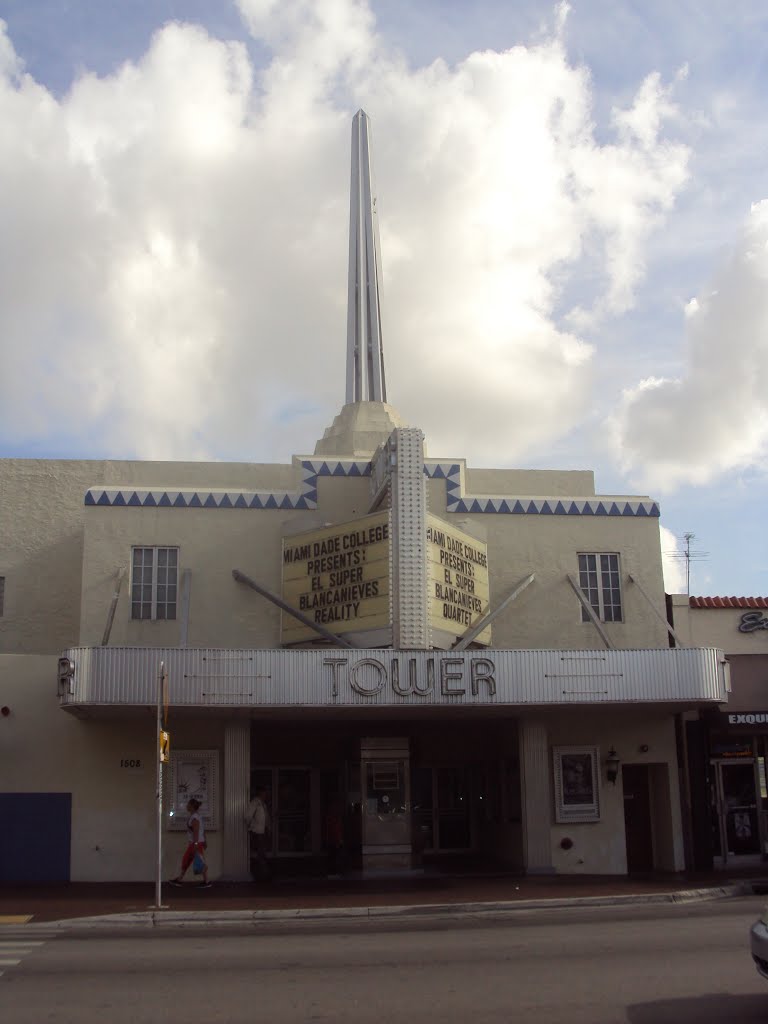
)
(189, 854)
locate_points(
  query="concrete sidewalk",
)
(82, 903)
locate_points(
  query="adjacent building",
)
(728, 745)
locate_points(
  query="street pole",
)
(159, 756)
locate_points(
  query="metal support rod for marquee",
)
(668, 625)
(466, 639)
(590, 612)
(305, 620)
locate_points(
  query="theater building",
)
(473, 664)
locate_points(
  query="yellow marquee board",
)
(338, 577)
(459, 592)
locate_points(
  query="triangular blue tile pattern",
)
(458, 502)
(307, 495)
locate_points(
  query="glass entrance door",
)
(735, 811)
(454, 829)
(442, 808)
(289, 799)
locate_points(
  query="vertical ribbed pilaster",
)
(410, 610)
(536, 798)
(237, 784)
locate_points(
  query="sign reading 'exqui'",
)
(338, 577)
(458, 588)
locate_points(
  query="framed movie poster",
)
(194, 774)
(577, 784)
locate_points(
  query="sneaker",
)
(203, 885)
(175, 881)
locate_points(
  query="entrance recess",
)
(289, 798)
(637, 817)
(442, 808)
(385, 780)
(736, 827)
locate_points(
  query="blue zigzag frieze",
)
(169, 497)
(306, 496)
(458, 501)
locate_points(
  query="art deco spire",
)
(365, 356)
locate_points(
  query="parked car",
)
(759, 943)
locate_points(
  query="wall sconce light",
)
(612, 766)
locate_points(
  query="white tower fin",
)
(365, 355)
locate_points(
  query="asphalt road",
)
(642, 965)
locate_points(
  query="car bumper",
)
(759, 944)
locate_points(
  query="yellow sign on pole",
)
(165, 746)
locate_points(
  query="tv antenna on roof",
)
(690, 556)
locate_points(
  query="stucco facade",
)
(496, 746)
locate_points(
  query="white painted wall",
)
(47, 750)
(600, 847)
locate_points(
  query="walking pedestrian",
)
(196, 846)
(258, 822)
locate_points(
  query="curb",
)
(150, 919)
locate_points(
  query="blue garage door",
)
(36, 837)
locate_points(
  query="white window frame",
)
(153, 617)
(600, 590)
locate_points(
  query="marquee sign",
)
(338, 577)
(459, 591)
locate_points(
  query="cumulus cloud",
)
(173, 239)
(714, 417)
(672, 562)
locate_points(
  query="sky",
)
(573, 204)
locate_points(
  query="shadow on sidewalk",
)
(51, 902)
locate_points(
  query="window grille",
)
(600, 581)
(154, 583)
